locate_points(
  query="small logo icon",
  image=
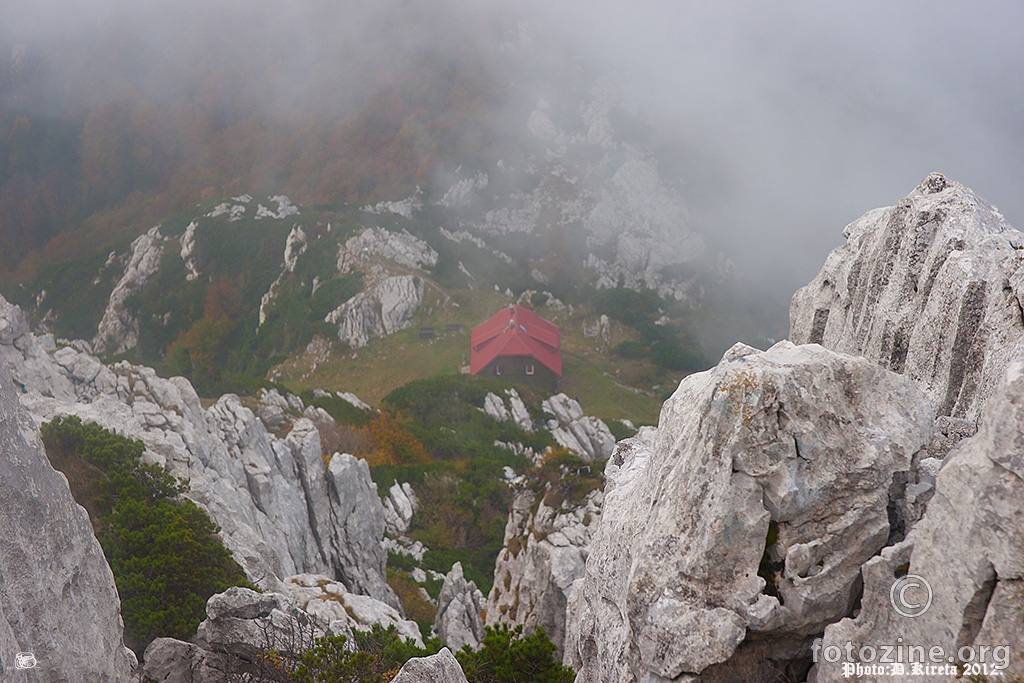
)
(24, 660)
(910, 595)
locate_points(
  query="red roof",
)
(516, 331)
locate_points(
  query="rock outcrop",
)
(281, 508)
(371, 245)
(963, 560)
(393, 289)
(399, 507)
(932, 288)
(242, 625)
(458, 620)
(118, 330)
(57, 595)
(582, 434)
(738, 532)
(545, 551)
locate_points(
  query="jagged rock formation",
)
(399, 507)
(57, 595)
(118, 330)
(931, 288)
(968, 546)
(281, 509)
(545, 551)
(439, 668)
(241, 624)
(457, 620)
(772, 465)
(392, 293)
(494, 406)
(585, 435)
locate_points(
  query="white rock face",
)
(391, 295)
(587, 436)
(377, 243)
(57, 595)
(931, 288)
(494, 406)
(545, 551)
(967, 547)
(399, 507)
(801, 442)
(281, 509)
(294, 246)
(457, 620)
(118, 330)
(285, 208)
(188, 246)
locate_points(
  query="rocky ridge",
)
(58, 601)
(932, 288)
(544, 551)
(281, 508)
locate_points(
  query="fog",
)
(781, 121)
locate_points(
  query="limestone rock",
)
(967, 548)
(399, 298)
(399, 507)
(439, 668)
(516, 411)
(330, 602)
(382, 309)
(356, 528)
(280, 508)
(457, 620)
(242, 624)
(795, 445)
(372, 244)
(118, 330)
(57, 594)
(172, 661)
(587, 436)
(495, 407)
(545, 551)
(931, 288)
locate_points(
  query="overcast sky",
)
(785, 120)
(801, 116)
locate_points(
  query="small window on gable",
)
(497, 369)
(529, 368)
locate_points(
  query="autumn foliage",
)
(392, 443)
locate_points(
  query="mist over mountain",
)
(775, 124)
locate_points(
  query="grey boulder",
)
(737, 532)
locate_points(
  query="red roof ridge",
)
(516, 331)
